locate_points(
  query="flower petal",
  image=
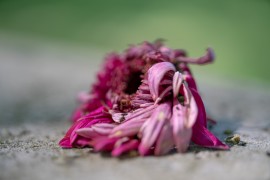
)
(103, 143)
(191, 107)
(177, 81)
(128, 146)
(165, 141)
(154, 126)
(181, 132)
(203, 137)
(201, 118)
(128, 128)
(87, 133)
(200, 134)
(155, 75)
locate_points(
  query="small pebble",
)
(234, 139)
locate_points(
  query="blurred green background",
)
(238, 30)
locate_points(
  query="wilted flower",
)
(145, 100)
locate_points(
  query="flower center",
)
(133, 83)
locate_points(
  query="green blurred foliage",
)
(238, 30)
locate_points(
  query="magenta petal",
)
(200, 134)
(203, 137)
(79, 124)
(86, 121)
(201, 119)
(128, 146)
(65, 142)
(190, 81)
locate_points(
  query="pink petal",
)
(87, 133)
(181, 133)
(177, 81)
(165, 141)
(102, 130)
(82, 142)
(129, 128)
(154, 126)
(191, 107)
(103, 143)
(128, 146)
(156, 74)
(86, 121)
(141, 113)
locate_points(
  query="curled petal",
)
(163, 94)
(155, 75)
(207, 58)
(177, 81)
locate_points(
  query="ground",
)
(37, 95)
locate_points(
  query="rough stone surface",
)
(37, 95)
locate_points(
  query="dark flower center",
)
(133, 83)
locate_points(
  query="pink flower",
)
(145, 100)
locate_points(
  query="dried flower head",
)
(145, 100)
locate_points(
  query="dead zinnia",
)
(144, 100)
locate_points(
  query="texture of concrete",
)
(37, 90)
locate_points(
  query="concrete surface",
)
(37, 90)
